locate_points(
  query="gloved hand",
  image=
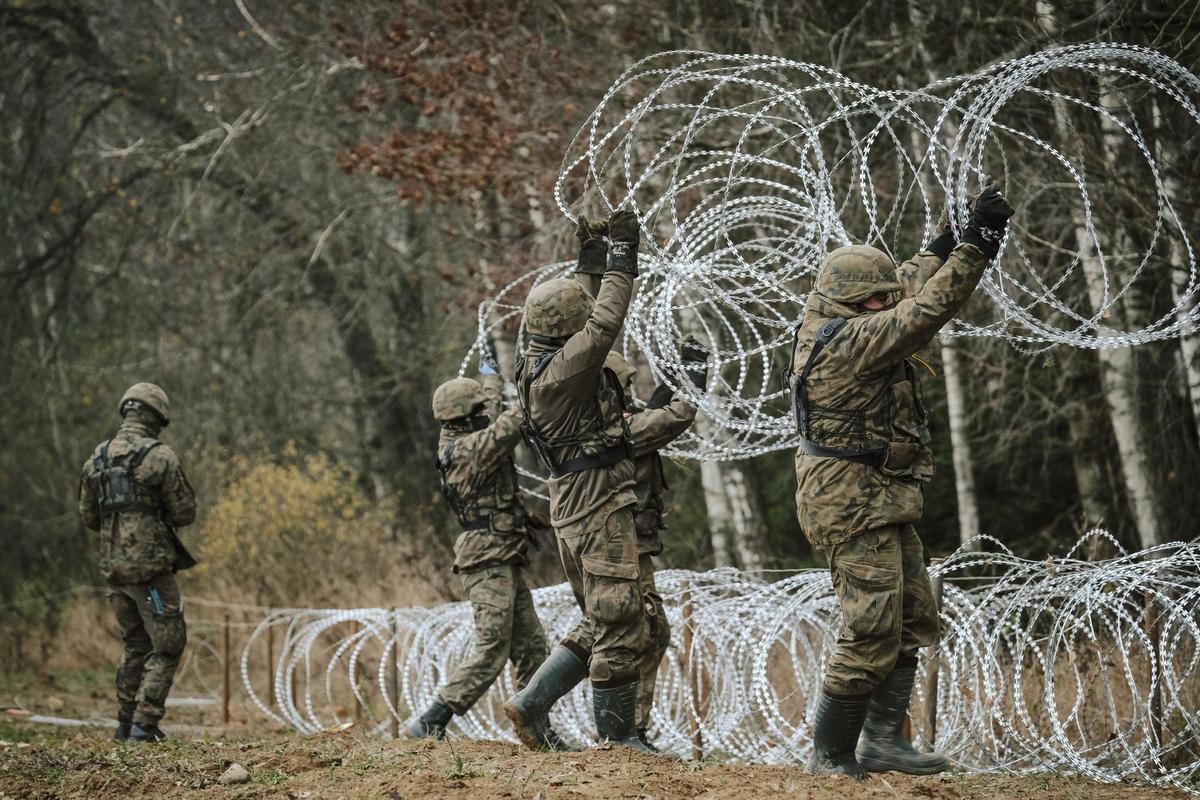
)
(945, 241)
(695, 361)
(624, 232)
(989, 218)
(488, 364)
(663, 394)
(593, 249)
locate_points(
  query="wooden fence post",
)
(394, 676)
(271, 661)
(934, 656)
(225, 672)
(693, 677)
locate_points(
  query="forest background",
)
(286, 213)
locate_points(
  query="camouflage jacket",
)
(135, 545)
(865, 377)
(566, 397)
(651, 430)
(482, 473)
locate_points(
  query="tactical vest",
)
(597, 447)
(832, 432)
(500, 485)
(119, 492)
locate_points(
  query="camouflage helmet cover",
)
(620, 367)
(852, 274)
(456, 398)
(150, 396)
(557, 308)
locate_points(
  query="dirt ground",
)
(46, 762)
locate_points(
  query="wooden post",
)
(358, 709)
(1154, 635)
(270, 661)
(394, 676)
(225, 673)
(934, 656)
(692, 677)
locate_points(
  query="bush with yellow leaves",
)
(297, 530)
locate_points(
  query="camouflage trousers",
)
(150, 617)
(600, 556)
(888, 610)
(506, 628)
(580, 639)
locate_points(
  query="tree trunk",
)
(720, 518)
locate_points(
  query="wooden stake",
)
(934, 656)
(1154, 635)
(394, 676)
(358, 709)
(225, 676)
(271, 662)
(693, 676)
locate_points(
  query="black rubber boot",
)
(146, 732)
(431, 724)
(121, 734)
(882, 747)
(615, 707)
(529, 709)
(641, 732)
(839, 722)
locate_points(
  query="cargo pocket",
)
(869, 595)
(612, 594)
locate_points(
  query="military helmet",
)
(854, 273)
(457, 398)
(617, 363)
(557, 308)
(150, 396)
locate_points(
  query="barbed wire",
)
(1078, 667)
(744, 170)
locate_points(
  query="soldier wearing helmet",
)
(860, 468)
(134, 493)
(479, 481)
(574, 419)
(651, 427)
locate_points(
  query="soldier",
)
(479, 481)
(133, 491)
(574, 419)
(651, 428)
(863, 459)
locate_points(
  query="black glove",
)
(945, 241)
(624, 232)
(695, 362)
(593, 249)
(663, 394)
(989, 218)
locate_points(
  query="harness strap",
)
(800, 401)
(604, 458)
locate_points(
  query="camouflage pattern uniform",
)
(861, 515)
(491, 559)
(592, 510)
(650, 429)
(137, 559)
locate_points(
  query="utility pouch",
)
(900, 459)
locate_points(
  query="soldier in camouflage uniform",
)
(651, 428)
(860, 468)
(133, 491)
(574, 418)
(479, 480)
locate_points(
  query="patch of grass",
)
(271, 778)
(458, 771)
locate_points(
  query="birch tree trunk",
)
(1118, 367)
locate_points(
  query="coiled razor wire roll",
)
(745, 170)
(1077, 667)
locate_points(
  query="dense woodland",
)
(286, 213)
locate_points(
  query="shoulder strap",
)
(100, 460)
(140, 454)
(824, 337)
